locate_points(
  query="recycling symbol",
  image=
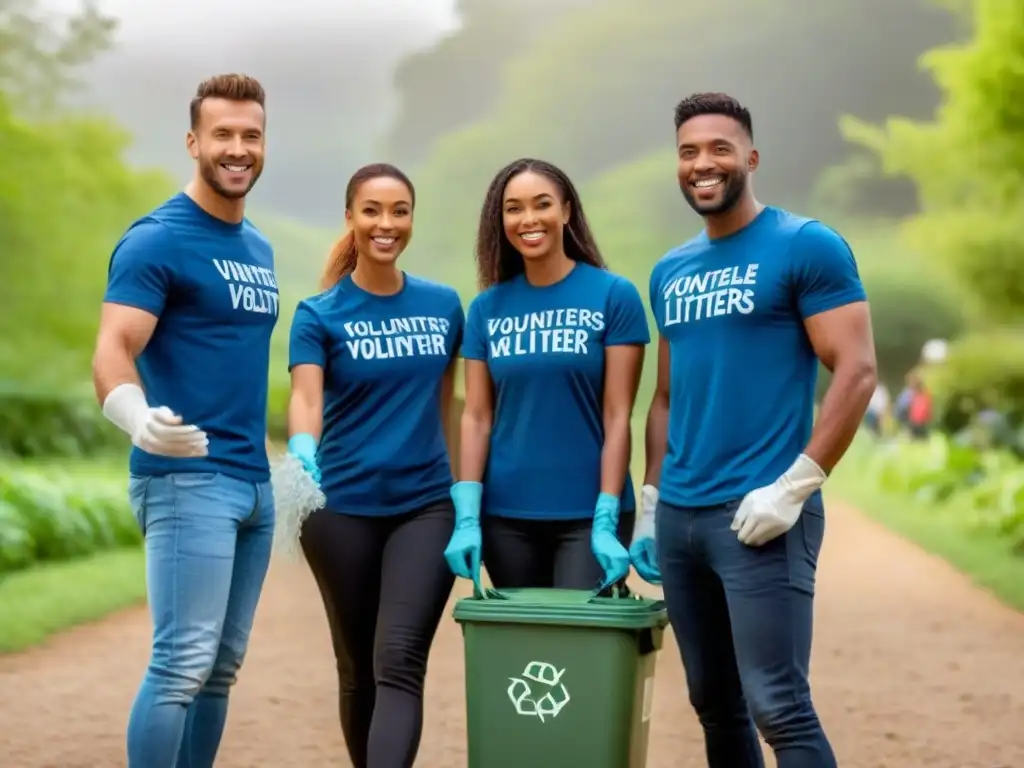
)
(545, 678)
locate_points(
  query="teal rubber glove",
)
(611, 555)
(303, 447)
(463, 550)
(643, 551)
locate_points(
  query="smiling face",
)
(380, 218)
(716, 158)
(228, 143)
(534, 215)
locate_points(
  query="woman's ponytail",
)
(340, 262)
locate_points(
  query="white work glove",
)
(643, 551)
(768, 512)
(154, 430)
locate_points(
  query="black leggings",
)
(545, 553)
(384, 583)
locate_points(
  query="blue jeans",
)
(743, 619)
(208, 542)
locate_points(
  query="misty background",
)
(93, 115)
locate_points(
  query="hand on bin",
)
(604, 541)
(644, 551)
(463, 550)
(303, 447)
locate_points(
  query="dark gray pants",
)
(545, 553)
(743, 619)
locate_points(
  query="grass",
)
(46, 599)
(943, 530)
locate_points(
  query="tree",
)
(66, 194)
(968, 162)
(968, 166)
(40, 55)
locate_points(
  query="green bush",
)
(46, 515)
(984, 370)
(940, 471)
(39, 426)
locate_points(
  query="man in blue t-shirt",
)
(181, 366)
(735, 464)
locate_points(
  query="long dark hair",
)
(342, 258)
(497, 260)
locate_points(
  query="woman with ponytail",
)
(372, 360)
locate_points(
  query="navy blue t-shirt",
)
(383, 449)
(743, 372)
(545, 349)
(212, 286)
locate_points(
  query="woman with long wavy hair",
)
(553, 352)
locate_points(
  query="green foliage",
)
(66, 195)
(62, 424)
(938, 472)
(968, 167)
(48, 516)
(968, 164)
(907, 309)
(984, 371)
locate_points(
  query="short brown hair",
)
(233, 87)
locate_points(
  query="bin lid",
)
(562, 607)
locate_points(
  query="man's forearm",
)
(656, 439)
(841, 414)
(111, 367)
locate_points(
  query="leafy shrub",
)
(50, 516)
(939, 470)
(33, 426)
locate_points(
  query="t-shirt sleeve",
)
(627, 319)
(824, 271)
(307, 342)
(141, 268)
(458, 321)
(474, 341)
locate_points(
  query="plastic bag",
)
(296, 496)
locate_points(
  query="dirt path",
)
(913, 668)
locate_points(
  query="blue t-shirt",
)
(213, 288)
(382, 449)
(544, 347)
(743, 371)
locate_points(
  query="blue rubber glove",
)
(463, 550)
(643, 551)
(611, 555)
(303, 447)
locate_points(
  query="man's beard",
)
(208, 170)
(735, 184)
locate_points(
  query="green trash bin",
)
(559, 678)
